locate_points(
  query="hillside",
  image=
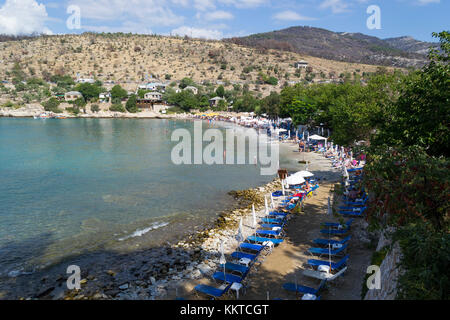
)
(349, 47)
(127, 59)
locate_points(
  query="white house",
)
(214, 102)
(104, 97)
(72, 95)
(193, 89)
(153, 96)
(153, 86)
(87, 80)
(301, 64)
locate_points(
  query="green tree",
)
(131, 105)
(118, 93)
(220, 91)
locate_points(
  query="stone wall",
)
(389, 272)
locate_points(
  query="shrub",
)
(95, 108)
(118, 107)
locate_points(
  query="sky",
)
(217, 19)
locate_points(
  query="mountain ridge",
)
(356, 47)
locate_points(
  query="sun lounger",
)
(271, 226)
(211, 291)
(333, 266)
(356, 202)
(262, 240)
(335, 232)
(269, 233)
(273, 220)
(323, 275)
(354, 212)
(240, 255)
(227, 278)
(233, 267)
(354, 169)
(327, 251)
(251, 246)
(331, 242)
(336, 225)
(303, 289)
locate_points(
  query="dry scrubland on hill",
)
(128, 58)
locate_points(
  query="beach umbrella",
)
(329, 211)
(304, 174)
(307, 166)
(240, 236)
(282, 186)
(266, 205)
(254, 216)
(295, 179)
(223, 260)
(271, 199)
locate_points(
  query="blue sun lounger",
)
(303, 289)
(269, 233)
(334, 265)
(233, 267)
(262, 240)
(251, 246)
(227, 278)
(278, 214)
(335, 232)
(326, 242)
(211, 291)
(240, 255)
(271, 226)
(272, 220)
(355, 169)
(336, 225)
(356, 202)
(355, 212)
(327, 251)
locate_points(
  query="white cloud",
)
(204, 5)
(245, 3)
(23, 17)
(425, 2)
(142, 12)
(197, 33)
(291, 16)
(336, 6)
(216, 15)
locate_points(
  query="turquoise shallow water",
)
(75, 184)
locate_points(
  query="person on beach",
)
(307, 187)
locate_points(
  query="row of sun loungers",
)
(252, 251)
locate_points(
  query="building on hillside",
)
(154, 86)
(214, 102)
(72, 95)
(85, 80)
(104, 97)
(194, 90)
(301, 64)
(153, 96)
